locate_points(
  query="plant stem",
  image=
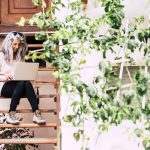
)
(129, 74)
(123, 58)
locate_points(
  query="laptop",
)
(25, 71)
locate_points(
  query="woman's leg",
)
(15, 90)
(30, 94)
(22, 88)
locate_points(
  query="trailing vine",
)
(108, 99)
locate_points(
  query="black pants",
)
(17, 89)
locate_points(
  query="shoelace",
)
(12, 115)
(38, 115)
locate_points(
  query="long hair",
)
(6, 47)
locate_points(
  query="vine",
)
(108, 99)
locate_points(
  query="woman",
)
(13, 49)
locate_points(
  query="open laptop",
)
(25, 71)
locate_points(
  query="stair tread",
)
(35, 45)
(46, 95)
(28, 125)
(29, 110)
(47, 69)
(29, 141)
(45, 81)
(38, 96)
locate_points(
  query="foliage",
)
(114, 12)
(14, 134)
(108, 100)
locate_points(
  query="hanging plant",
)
(108, 99)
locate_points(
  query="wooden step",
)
(47, 69)
(38, 96)
(30, 111)
(29, 125)
(29, 141)
(26, 33)
(46, 96)
(40, 82)
(35, 45)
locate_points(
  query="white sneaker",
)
(37, 118)
(11, 118)
(2, 118)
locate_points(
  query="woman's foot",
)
(37, 118)
(11, 118)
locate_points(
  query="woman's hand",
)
(8, 77)
(5, 77)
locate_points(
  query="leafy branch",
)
(78, 36)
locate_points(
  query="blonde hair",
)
(6, 47)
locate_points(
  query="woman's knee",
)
(27, 83)
(20, 83)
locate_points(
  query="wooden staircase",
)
(52, 141)
(42, 97)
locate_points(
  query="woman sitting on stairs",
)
(13, 49)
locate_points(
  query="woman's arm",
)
(5, 69)
(4, 78)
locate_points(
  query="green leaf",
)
(21, 22)
(139, 132)
(76, 136)
(146, 143)
(128, 96)
(82, 62)
(104, 127)
(141, 89)
(91, 91)
(37, 2)
(132, 45)
(76, 6)
(68, 118)
(40, 36)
